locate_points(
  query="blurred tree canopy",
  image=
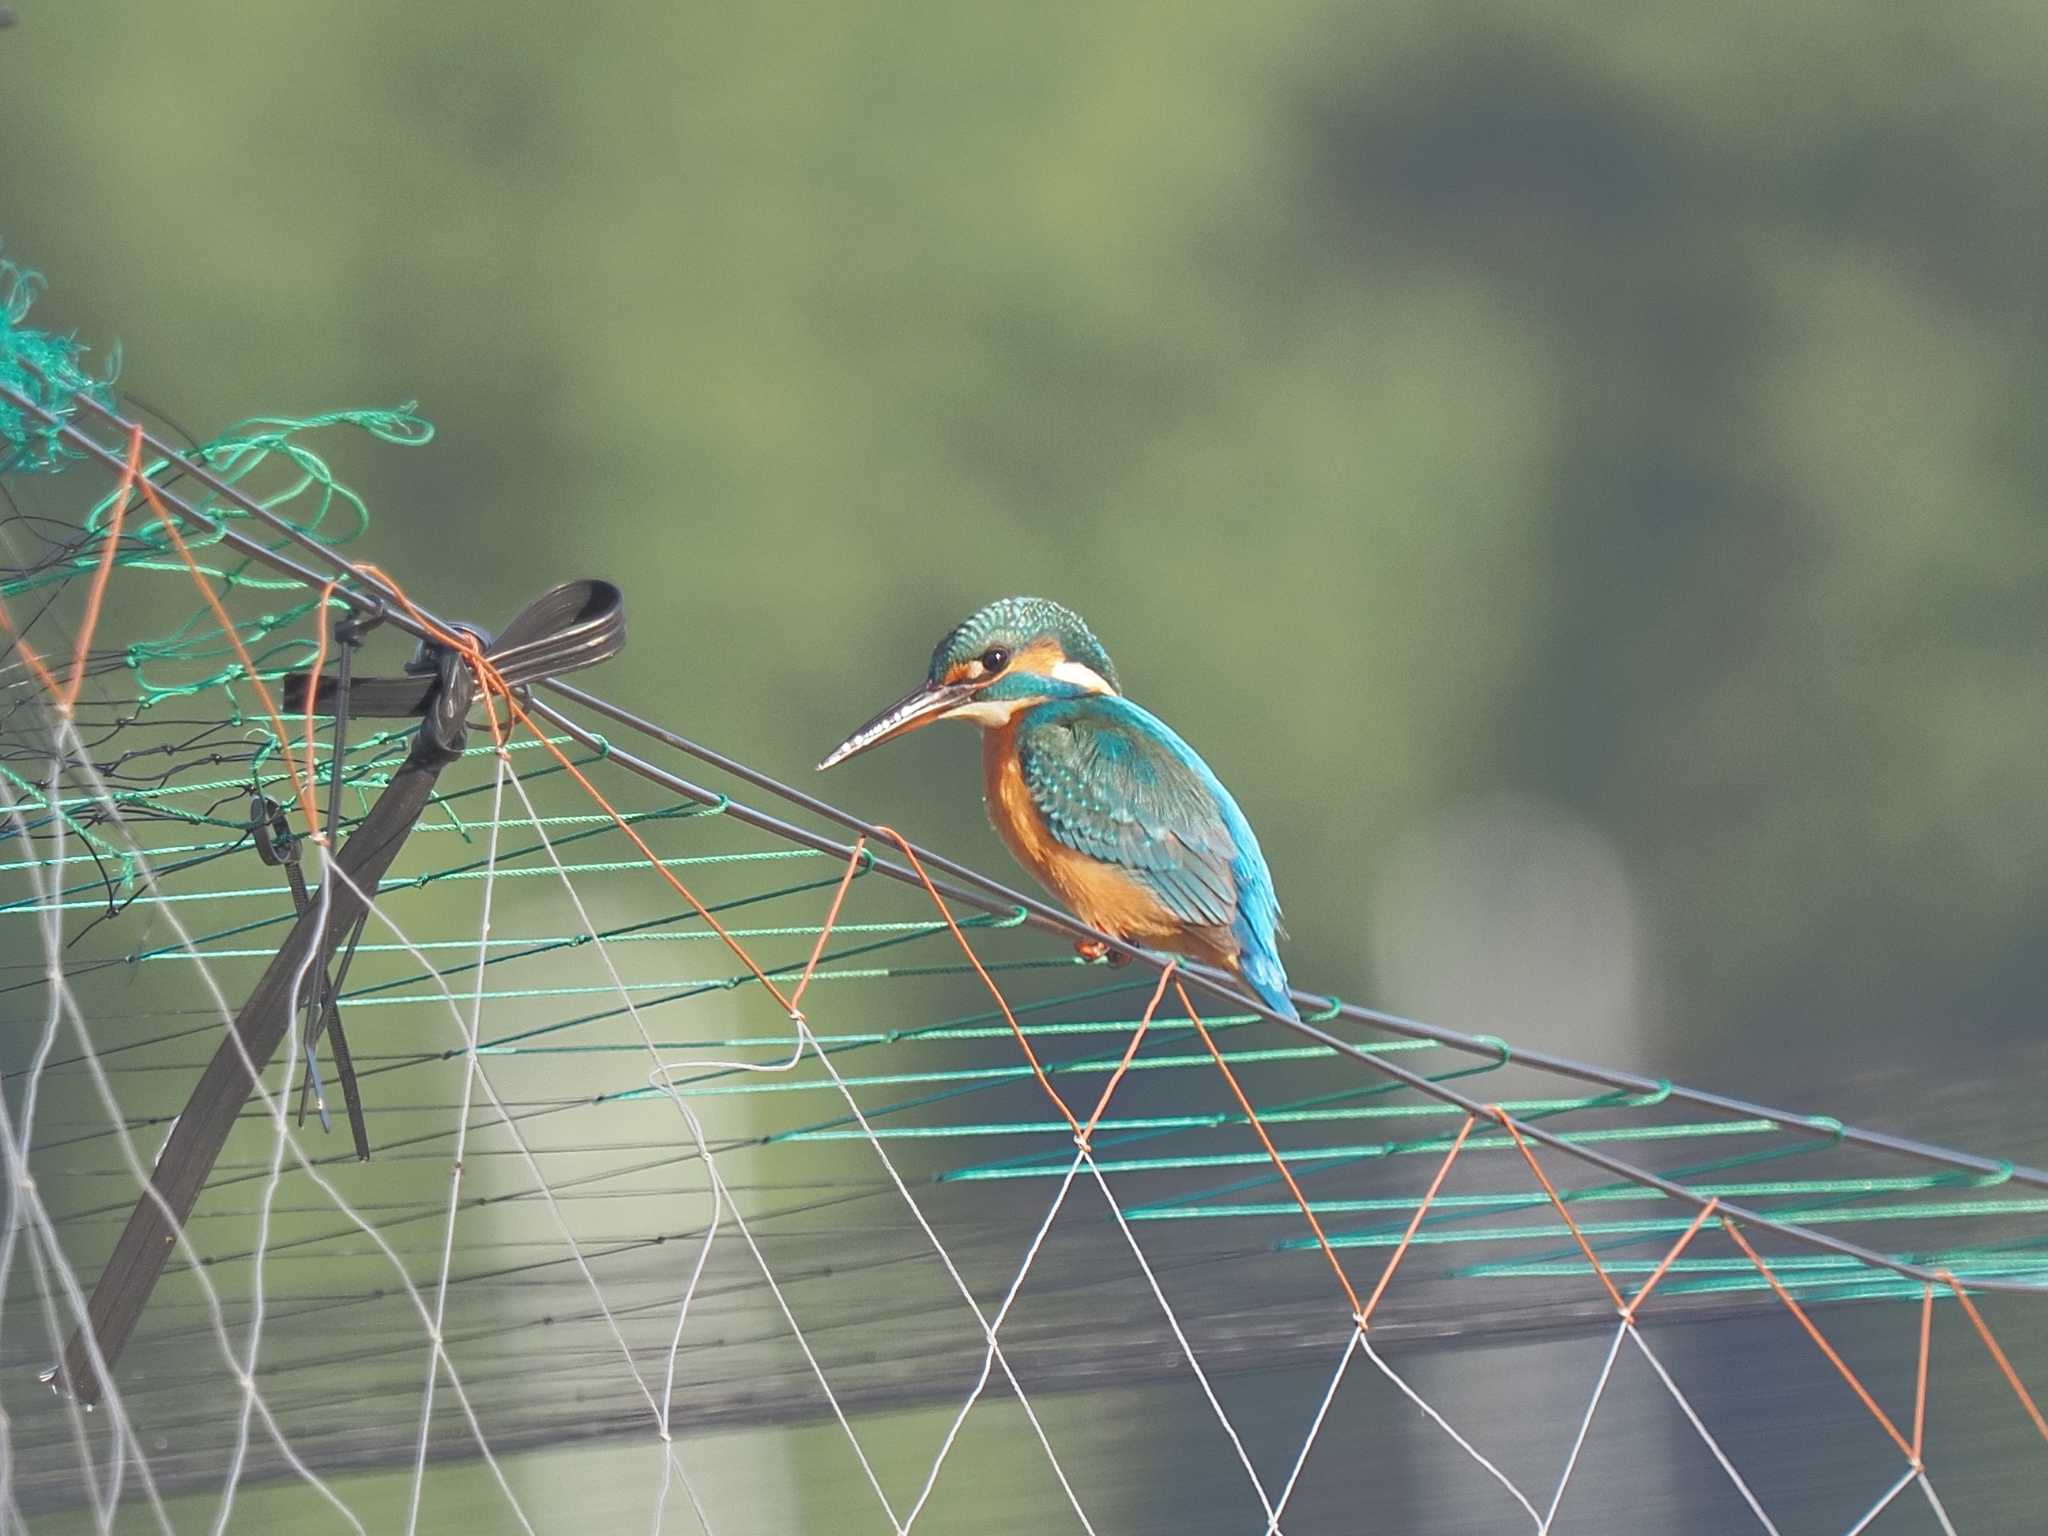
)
(1635, 409)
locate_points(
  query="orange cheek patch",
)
(1038, 658)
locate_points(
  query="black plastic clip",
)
(271, 831)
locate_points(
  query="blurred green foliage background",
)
(1634, 408)
(1617, 427)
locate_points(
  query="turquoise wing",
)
(1114, 782)
(1115, 790)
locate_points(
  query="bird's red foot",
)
(1095, 949)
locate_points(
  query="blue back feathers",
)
(1117, 783)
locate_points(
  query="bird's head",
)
(1016, 652)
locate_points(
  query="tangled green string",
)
(48, 369)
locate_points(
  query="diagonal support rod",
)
(574, 625)
(202, 1127)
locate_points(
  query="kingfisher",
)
(1097, 797)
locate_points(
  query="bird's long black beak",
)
(921, 706)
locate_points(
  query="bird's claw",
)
(1096, 949)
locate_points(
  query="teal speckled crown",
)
(1013, 623)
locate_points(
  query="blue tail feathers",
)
(1267, 977)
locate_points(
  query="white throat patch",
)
(988, 711)
(1082, 675)
(1000, 712)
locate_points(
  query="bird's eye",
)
(994, 659)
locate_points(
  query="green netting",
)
(521, 929)
(49, 369)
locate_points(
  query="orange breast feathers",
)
(1101, 895)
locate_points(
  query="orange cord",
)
(96, 593)
(65, 695)
(1699, 1220)
(318, 832)
(1273, 1152)
(796, 995)
(1130, 1052)
(1825, 1347)
(1920, 1384)
(300, 786)
(1037, 1067)
(28, 655)
(1415, 1221)
(490, 682)
(1551, 1190)
(2012, 1376)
